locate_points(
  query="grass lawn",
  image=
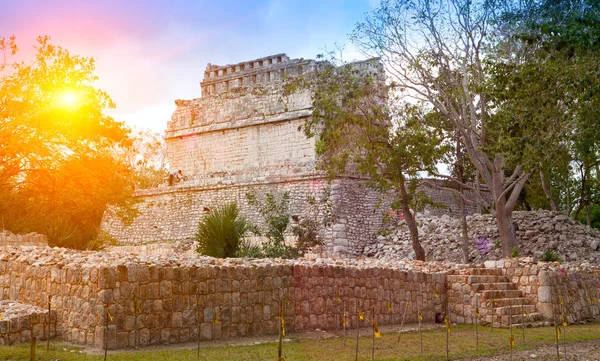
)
(462, 344)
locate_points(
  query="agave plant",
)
(221, 231)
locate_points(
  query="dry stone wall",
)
(172, 214)
(20, 322)
(536, 231)
(547, 284)
(9, 239)
(159, 299)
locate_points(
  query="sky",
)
(151, 52)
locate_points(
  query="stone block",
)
(206, 331)
(545, 294)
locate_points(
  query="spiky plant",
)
(221, 231)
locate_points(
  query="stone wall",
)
(19, 322)
(546, 283)
(172, 214)
(228, 298)
(37, 276)
(8, 239)
(536, 232)
(241, 138)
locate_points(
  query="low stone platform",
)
(128, 300)
(20, 321)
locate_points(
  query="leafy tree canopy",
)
(59, 164)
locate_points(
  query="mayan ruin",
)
(244, 135)
(268, 180)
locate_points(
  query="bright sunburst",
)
(69, 99)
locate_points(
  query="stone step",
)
(503, 302)
(487, 279)
(493, 286)
(456, 279)
(516, 320)
(485, 271)
(499, 294)
(519, 319)
(515, 309)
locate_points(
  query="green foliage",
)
(549, 99)
(102, 240)
(362, 129)
(317, 216)
(275, 214)
(514, 253)
(595, 216)
(248, 250)
(60, 164)
(147, 157)
(276, 218)
(307, 231)
(221, 231)
(550, 256)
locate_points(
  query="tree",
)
(362, 130)
(58, 151)
(556, 78)
(147, 157)
(439, 52)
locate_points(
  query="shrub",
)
(550, 256)
(247, 250)
(276, 218)
(307, 232)
(514, 253)
(275, 214)
(220, 232)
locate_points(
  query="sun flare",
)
(69, 99)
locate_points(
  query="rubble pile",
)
(537, 232)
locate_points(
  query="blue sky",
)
(150, 53)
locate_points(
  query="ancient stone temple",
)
(245, 136)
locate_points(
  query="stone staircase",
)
(490, 285)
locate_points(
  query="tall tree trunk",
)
(464, 229)
(548, 192)
(506, 229)
(461, 202)
(411, 223)
(506, 193)
(588, 216)
(478, 190)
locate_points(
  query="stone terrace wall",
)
(543, 283)
(173, 214)
(21, 321)
(37, 275)
(8, 239)
(235, 297)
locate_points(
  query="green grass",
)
(462, 344)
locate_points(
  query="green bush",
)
(274, 211)
(247, 250)
(221, 231)
(307, 232)
(514, 253)
(550, 256)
